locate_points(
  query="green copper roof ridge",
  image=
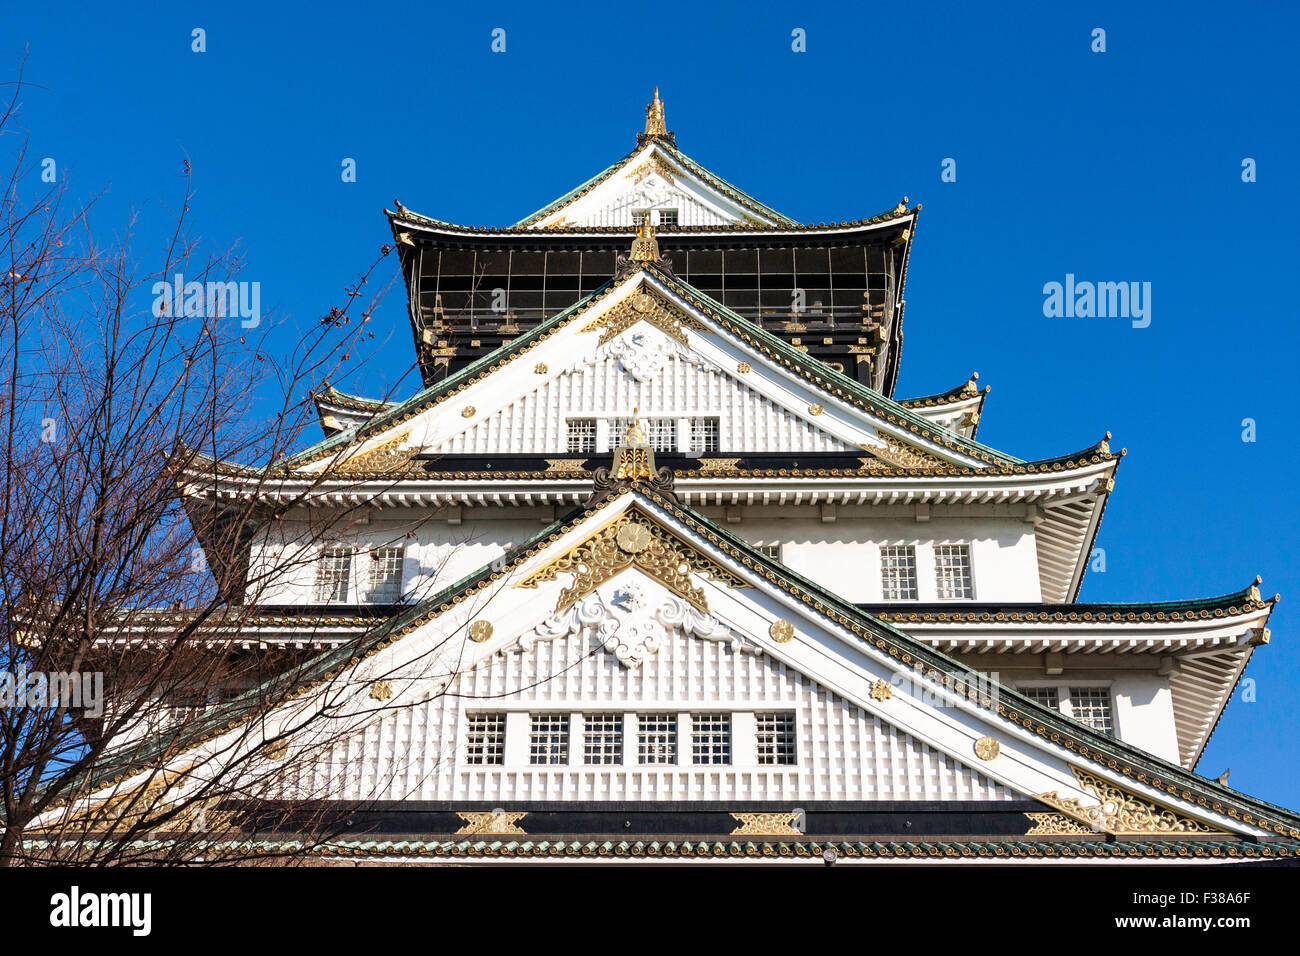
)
(321, 394)
(1192, 604)
(955, 394)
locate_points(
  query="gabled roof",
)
(664, 149)
(1047, 747)
(835, 386)
(656, 152)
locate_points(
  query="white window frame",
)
(331, 577)
(915, 575)
(970, 570)
(551, 733)
(593, 437)
(776, 740)
(487, 747)
(375, 565)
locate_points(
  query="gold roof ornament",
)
(655, 124)
(645, 247)
(634, 434)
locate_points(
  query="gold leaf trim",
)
(1055, 824)
(491, 821)
(643, 307)
(764, 824)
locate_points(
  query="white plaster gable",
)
(647, 371)
(650, 179)
(710, 347)
(632, 649)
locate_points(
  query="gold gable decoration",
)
(632, 540)
(1120, 811)
(642, 306)
(654, 164)
(900, 454)
(383, 459)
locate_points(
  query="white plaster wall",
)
(437, 553)
(844, 555)
(1144, 713)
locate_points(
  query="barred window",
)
(638, 217)
(602, 738)
(333, 574)
(704, 434)
(184, 704)
(667, 217)
(386, 574)
(1047, 696)
(952, 570)
(776, 739)
(549, 743)
(773, 551)
(485, 739)
(656, 738)
(898, 572)
(711, 738)
(1091, 706)
(582, 436)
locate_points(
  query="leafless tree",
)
(120, 405)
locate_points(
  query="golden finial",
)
(655, 125)
(635, 434)
(645, 247)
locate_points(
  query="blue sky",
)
(1116, 166)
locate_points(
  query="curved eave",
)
(339, 411)
(958, 409)
(406, 220)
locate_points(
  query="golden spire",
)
(655, 125)
(634, 435)
(645, 247)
